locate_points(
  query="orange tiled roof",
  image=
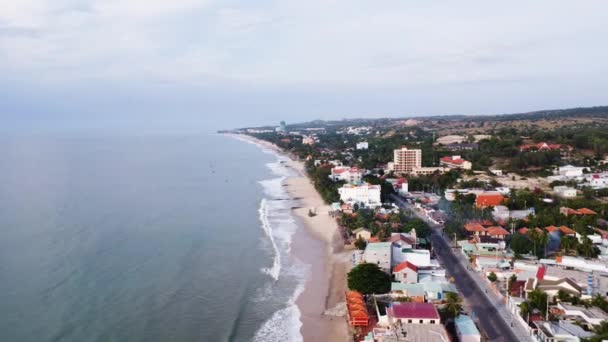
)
(489, 200)
(551, 229)
(586, 211)
(474, 227)
(566, 230)
(496, 231)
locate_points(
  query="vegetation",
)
(537, 299)
(360, 243)
(369, 278)
(492, 277)
(453, 305)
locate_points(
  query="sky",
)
(201, 65)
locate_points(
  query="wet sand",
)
(322, 302)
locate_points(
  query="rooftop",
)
(414, 310)
(466, 326)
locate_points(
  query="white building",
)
(591, 316)
(564, 191)
(560, 331)
(598, 180)
(364, 145)
(378, 253)
(307, 140)
(366, 195)
(348, 174)
(455, 162)
(570, 171)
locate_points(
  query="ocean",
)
(152, 238)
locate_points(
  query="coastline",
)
(321, 304)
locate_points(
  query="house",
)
(489, 199)
(378, 253)
(570, 171)
(413, 313)
(414, 332)
(590, 316)
(413, 291)
(496, 232)
(362, 233)
(552, 287)
(347, 174)
(564, 191)
(365, 195)
(364, 145)
(598, 180)
(455, 162)
(466, 329)
(475, 228)
(559, 331)
(501, 212)
(431, 170)
(543, 146)
(462, 146)
(406, 272)
(451, 139)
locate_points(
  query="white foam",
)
(275, 270)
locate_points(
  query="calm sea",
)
(145, 239)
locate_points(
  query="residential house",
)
(489, 199)
(413, 313)
(413, 291)
(543, 146)
(564, 191)
(406, 272)
(455, 162)
(466, 329)
(364, 145)
(590, 316)
(378, 253)
(559, 331)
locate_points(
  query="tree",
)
(601, 333)
(453, 304)
(369, 278)
(520, 244)
(492, 277)
(568, 243)
(587, 249)
(360, 243)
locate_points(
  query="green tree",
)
(453, 304)
(568, 243)
(601, 333)
(369, 278)
(512, 281)
(520, 244)
(492, 277)
(360, 243)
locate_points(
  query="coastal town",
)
(463, 229)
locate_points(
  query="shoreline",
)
(319, 244)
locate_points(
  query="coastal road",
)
(490, 319)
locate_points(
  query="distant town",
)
(466, 228)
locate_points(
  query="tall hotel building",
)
(405, 160)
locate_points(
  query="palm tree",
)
(568, 243)
(453, 304)
(586, 247)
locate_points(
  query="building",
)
(489, 199)
(362, 233)
(405, 160)
(356, 309)
(378, 253)
(450, 139)
(564, 191)
(364, 145)
(347, 174)
(466, 329)
(590, 316)
(560, 331)
(570, 171)
(406, 272)
(414, 291)
(462, 146)
(365, 195)
(308, 140)
(413, 313)
(597, 180)
(429, 170)
(455, 162)
(543, 146)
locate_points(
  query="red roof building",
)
(356, 309)
(404, 265)
(488, 200)
(585, 211)
(411, 312)
(566, 231)
(543, 146)
(498, 232)
(455, 162)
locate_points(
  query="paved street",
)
(493, 316)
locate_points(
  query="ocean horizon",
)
(172, 238)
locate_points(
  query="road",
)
(492, 317)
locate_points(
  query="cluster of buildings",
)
(421, 280)
(409, 161)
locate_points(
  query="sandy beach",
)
(320, 245)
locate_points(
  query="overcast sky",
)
(198, 65)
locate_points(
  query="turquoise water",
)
(144, 239)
